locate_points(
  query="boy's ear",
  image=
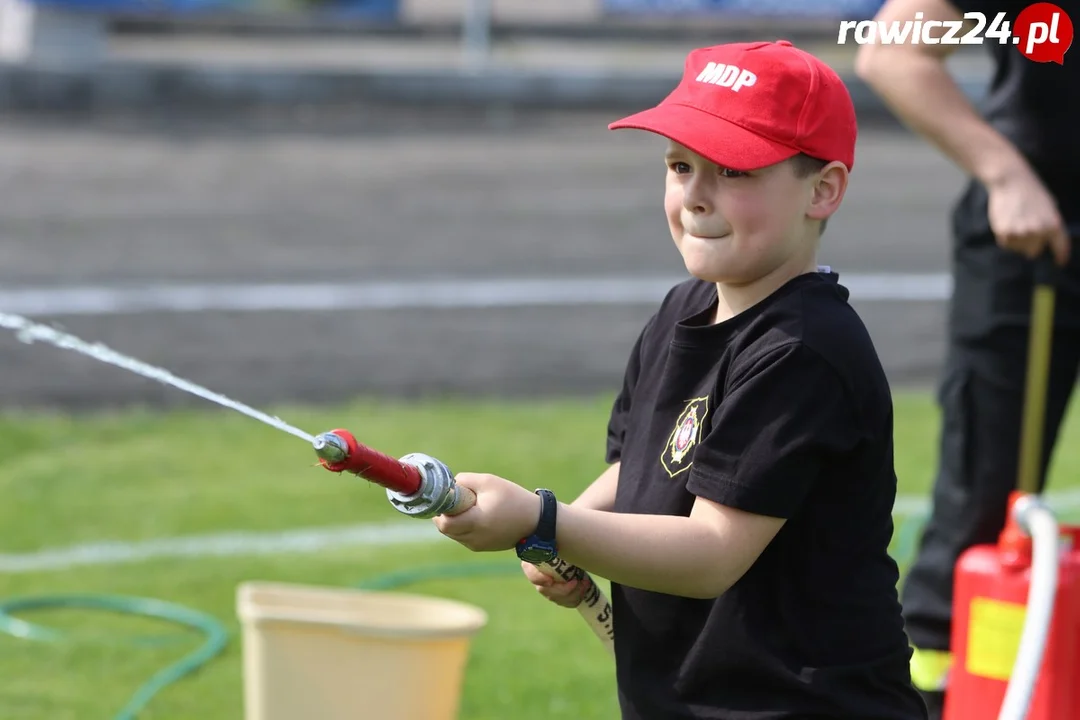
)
(830, 184)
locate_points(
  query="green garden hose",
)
(216, 636)
(401, 578)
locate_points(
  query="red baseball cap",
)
(745, 106)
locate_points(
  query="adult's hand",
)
(1024, 217)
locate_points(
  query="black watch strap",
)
(549, 506)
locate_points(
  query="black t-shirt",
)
(1037, 107)
(783, 410)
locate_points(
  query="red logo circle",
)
(686, 432)
(1043, 33)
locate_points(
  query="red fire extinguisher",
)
(993, 583)
(989, 610)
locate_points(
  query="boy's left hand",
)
(504, 513)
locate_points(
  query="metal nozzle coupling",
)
(331, 448)
(438, 493)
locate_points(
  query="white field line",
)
(464, 293)
(303, 540)
(313, 540)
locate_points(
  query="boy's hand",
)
(504, 513)
(565, 593)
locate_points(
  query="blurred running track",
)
(406, 255)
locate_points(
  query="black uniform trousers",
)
(981, 396)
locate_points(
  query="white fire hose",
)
(1036, 519)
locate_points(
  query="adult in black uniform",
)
(745, 519)
(1023, 199)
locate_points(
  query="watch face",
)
(537, 553)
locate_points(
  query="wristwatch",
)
(540, 546)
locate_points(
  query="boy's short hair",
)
(746, 106)
(805, 166)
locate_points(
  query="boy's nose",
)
(697, 197)
(697, 206)
(696, 201)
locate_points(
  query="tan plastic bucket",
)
(315, 653)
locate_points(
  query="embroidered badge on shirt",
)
(677, 455)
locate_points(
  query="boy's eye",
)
(727, 172)
(680, 168)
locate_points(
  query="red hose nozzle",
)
(339, 451)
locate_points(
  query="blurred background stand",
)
(52, 33)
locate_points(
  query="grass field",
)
(140, 476)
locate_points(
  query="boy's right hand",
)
(565, 593)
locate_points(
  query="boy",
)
(745, 519)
